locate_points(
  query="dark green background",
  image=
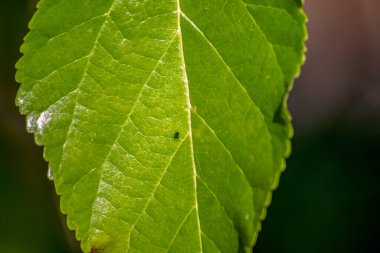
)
(328, 199)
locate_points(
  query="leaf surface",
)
(164, 121)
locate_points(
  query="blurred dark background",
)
(329, 196)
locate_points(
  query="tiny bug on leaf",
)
(176, 136)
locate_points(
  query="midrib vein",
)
(187, 93)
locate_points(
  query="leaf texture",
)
(164, 121)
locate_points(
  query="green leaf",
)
(164, 121)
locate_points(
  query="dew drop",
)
(42, 121)
(20, 99)
(100, 240)
(247, 216)
(50, 175)
(31, 123)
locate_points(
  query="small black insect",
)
(176, 136)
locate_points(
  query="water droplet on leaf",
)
(31, 122)
(20, 99)
(50, 175)
(42, 121)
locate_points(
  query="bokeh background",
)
(329, 196)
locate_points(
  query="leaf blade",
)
(107, 110)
